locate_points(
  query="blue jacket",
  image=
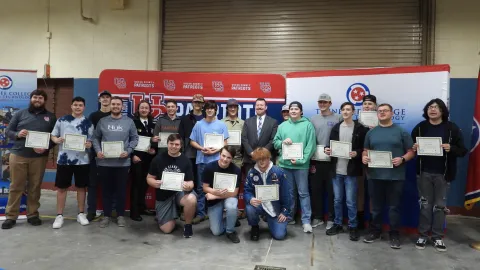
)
(275, 176)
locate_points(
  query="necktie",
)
(145, 124)
(259, 128)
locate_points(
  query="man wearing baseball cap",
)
(234, 123)
(285, 112)
(369, 103)
(321, 175)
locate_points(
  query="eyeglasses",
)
(383, 111)
(433, 107)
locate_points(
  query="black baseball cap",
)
(105, 92)
(371, 98)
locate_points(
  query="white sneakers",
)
(81, 218)
(316, 222)
(307, 228)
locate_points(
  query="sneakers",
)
(439, 245)
(329, 224)
(187, 231)
(255, 233)
(58, 223)
(395, 242)
(316, 222)
(104, 222)
(8, 224)
(335, 229)
(35, 221)
(199, 219)
(292, 222)
(354, 236)
(371, 237)
(237, 223)
(421, 243)
(82, 219)
(91, 216)
(233, 237)
(307, 228)
(121, 221)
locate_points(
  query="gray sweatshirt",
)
(323, 125)
(110, 129)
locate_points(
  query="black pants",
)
(386, 193)
(139, 187)
(92, 186)
(194, 168)
(114, 186)
(320, 180)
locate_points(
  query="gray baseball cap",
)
(285, 108)
(324, 97)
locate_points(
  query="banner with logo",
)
(15, 89)
(158, 86)
(407, 89)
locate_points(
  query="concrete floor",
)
(141, 246)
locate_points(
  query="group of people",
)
(258, 160)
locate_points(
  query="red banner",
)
(472, 193)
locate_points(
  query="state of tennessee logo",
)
(356, 92)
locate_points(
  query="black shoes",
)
(335, 229)
(136, 218)
(187, 230)
(395, 241)
(254, 233)
(237, 223)
(35, 221)
(8, 224)
(371, 237)
(354, 236)
(91, 216)
(233, 237)
(421, 243)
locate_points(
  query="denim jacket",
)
(275, 176)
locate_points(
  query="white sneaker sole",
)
(419, 248)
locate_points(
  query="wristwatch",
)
(403, 160)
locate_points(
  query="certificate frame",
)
(113, 142)
(163, 143)
(373, 113)
(373, 165)
(137, 148)
(232, 186)
(320, 148)
(67, 147)
(337, 155)
(179, 188)
(421, 152)
(29, 143)
(213, 135)
(234, 142)
(288, 157)
(259, 197)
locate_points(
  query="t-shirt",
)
(198, 133)
(323, 126)
(394, 139)
(96, 116)
(434, 164)
(198, 117)
(346, 134)
(209, 173)
(164, 162)
(70, 125)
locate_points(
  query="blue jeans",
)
(215, 214)
(299, 178)
(343, 184)
(200, 194)
(278, 230)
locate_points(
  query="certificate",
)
(112, 149)
(320, 154)
(213, 140)
(143, 144)
(163, 143)
(172, 181)
(292, 151)
(74, 142)
(234, 137)
(380, 159)
(266, 193)
(340, 149)
(429, 146)
(225, 181)
(37, 139)
(368, 118)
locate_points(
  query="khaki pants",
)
(24, 169)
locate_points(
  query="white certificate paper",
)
(429, 146)
(368, 118)
(163, 143)
(234, 137)
(266, 193)
(172, 181)
(112, 149)
(143, 144)
(36, 139)
(225, 181)
(340, 149)
(213, 140)
(292, 151)
(74, 142)
(320, 154)
(380, 159)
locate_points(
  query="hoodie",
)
(301, 131)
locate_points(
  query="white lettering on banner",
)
(115, 128)
(241, 87)
(144, 84)
(193, 86)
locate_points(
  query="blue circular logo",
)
(356, 92)
(475, 135)
(5, 82)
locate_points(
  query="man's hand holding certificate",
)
(234, 137)
(163, 139)
(112, 149)
(380, 159)
(172, 181)
(267, 193)
(292, 151)
(429, 146)
(368, 118)
(74, 142)
(320, 154)
(212, 140)
(39, 140)
(223, 181)
(143, 144)
(340, 149)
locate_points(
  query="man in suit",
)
(258, 131)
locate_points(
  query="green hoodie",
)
(301, 131)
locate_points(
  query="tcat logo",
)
(121, 83)
(217, 86)
(169, 84)
(356, 92)
(265, 87)
(5, 82)
(115, 128)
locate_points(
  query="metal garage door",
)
(287, 35)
